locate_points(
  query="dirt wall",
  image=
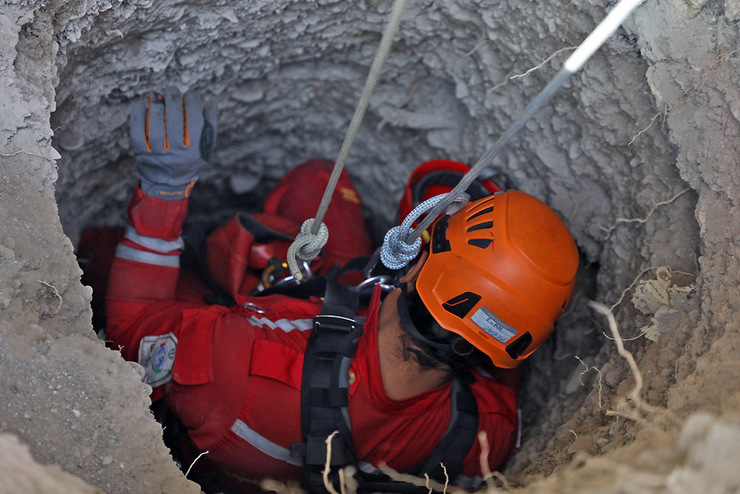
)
(638, 153)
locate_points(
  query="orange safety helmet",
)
(499, 274)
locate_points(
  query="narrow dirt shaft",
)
(638, 153)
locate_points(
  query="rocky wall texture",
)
(74, 403)
(638, 153)
(19, 474)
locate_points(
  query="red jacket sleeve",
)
(142, 284)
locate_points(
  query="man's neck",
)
(402, 376)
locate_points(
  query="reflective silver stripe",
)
(263, 444)
(126, 252)
(158, 244)
(368, 468)
(284, 324)
(468, 482)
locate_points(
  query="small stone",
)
(107, 460)
(87, 293)
(77, 413)
(7, 253)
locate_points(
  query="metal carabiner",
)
(385, 281)
(267, 280)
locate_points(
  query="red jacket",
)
(233, 375)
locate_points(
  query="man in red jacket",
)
(417, 385)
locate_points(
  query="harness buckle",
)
(339, 324)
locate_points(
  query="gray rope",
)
(372, 79)
(487, 158)
(593, 42)
(305, 247)
(310, 242)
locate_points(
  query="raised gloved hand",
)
(172, 136)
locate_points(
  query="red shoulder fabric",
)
(384, 429)
(297, 196)
(497, 417)
(236, 258)
(262, 252)
(228, 255)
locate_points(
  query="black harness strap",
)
(460, 436)
(325, 388)
(325, 399)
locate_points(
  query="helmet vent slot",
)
(481, 212)
(481, 243)
(462, 304)
(518, 347)
(439, 236)
(486, 225)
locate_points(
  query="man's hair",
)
(426, 356)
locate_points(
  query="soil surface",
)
(638, 153)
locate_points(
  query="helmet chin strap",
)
(450, 353)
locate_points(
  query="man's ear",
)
(413, 273)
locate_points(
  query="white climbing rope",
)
(305, 247)
(593, 42)
(396, 252)
(372, 79)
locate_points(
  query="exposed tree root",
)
(485, 449)
(56, 292)
(10, 155)
(327, 466)
(418, 481)
(525, 74)
(637, 404)
(630, 287)
(716, 64)
(502, 478)
(475, 48)
(196, 459)
(652, 121)
(500, 84)
(619, 221)
(405, 101)
(588, 369)
(281, 487)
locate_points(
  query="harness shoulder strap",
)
(325, 388)
(460, 436)
(325, 400)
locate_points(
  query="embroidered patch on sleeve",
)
(157, 357)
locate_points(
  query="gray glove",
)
(172, 136)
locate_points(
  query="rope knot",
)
(396, 251)
(306, 246)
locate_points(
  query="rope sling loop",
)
(308, 249)
(593, 42)
(396, 252)
(305, 247)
